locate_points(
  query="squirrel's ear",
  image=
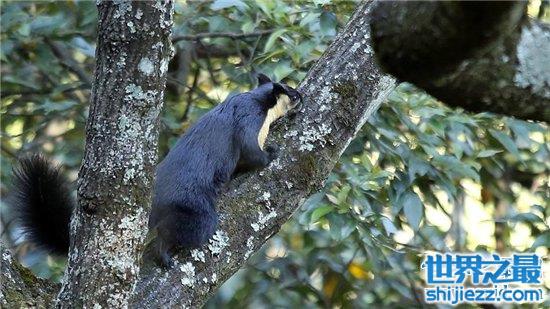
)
(263, 79)
(278, 89)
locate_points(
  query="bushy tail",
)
(42, 203)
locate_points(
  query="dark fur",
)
(188, 180)
(43, 204)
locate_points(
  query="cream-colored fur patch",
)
(279, 110)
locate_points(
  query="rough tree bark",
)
(115, 179)
(340, 92)
(20, 288)
(481, 56)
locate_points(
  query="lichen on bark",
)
(115, 179)
(20, 288)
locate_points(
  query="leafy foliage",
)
(403, 187)
(418, 177)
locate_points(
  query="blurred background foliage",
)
(419, 176)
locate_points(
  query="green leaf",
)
(266, 7)
(328, 23)
(538, 209)
(417, 167)
(488, 153)
(272, 38)
(388, 226)
(217, 24)
(50, 106)
(506, 141)
(18, 81)
(412, 206)
(310, 205)
(341, 227)
(13, 16)
(456, 167)
(543, 240)
(24, 30)
(276, 53)
(527, 217)
(332, 199)
(248, 27)
(282, 70)
(62, 87)
(222, 4)
(320, 212)
(521, 133)
(46, 25)
(81, 44)
(308, 18)
(343, 194)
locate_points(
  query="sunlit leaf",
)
(223, 4)
(273, 38)
(308, 18)
(358, 271)
(388, 226)
(488, 153)
(320, 212)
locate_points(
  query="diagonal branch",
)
(20, 288)
(340, 92)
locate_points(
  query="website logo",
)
(454, 278)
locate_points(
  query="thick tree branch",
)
(481, 56)
(340, 92)
(20, 288)
(116, 177)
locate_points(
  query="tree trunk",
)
(116, 177)
(481, 56)
(340, 92)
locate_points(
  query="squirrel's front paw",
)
(166, 261)
(272, 151)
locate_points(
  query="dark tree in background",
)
(363, 174)
(482, 56)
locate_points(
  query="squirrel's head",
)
(282, 97)
(279, 99)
